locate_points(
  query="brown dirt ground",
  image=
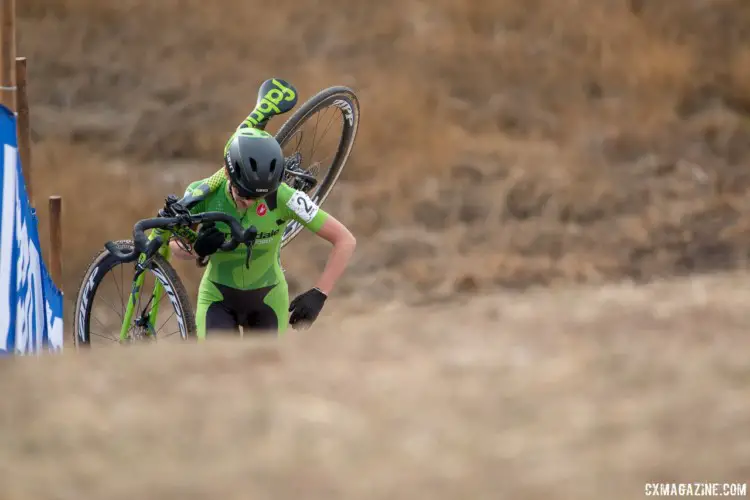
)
(582, 393)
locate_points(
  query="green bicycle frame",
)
(158, 293)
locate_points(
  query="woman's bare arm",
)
(344, 243)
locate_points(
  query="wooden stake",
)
(24, 133)
(55, 239)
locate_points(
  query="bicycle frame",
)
(139, 277)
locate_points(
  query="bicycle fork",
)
(155, 299)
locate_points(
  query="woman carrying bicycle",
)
(247, 211)
(249, 187)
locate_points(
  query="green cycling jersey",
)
(269, 216)
(226, 270)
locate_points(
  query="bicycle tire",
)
(344, 98)
(92, 277)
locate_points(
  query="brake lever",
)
(166, 210)
(172, 208)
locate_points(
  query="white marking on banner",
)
(7, 225)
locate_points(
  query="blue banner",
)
(31, 306)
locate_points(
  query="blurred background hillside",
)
(503, 143)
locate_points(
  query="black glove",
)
(306, 307)
(210, 238)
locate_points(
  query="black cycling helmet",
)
(255, 162)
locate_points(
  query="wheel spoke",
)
(315, 132)
(165, 322)
(301, 135)
(103, 336)
(100, 322)
(119, 290)
(324, 133)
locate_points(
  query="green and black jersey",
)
(270, 216)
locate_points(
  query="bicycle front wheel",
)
(111, 307)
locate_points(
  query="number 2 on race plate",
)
(303, 206)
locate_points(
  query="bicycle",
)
(152, 256)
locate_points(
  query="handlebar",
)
(142, 245)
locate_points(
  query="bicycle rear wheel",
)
(100, 312)
(345, 106)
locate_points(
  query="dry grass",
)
(585, 393)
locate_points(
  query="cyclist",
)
(249, 187)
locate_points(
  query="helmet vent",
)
(273, 165)
(253, 164)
